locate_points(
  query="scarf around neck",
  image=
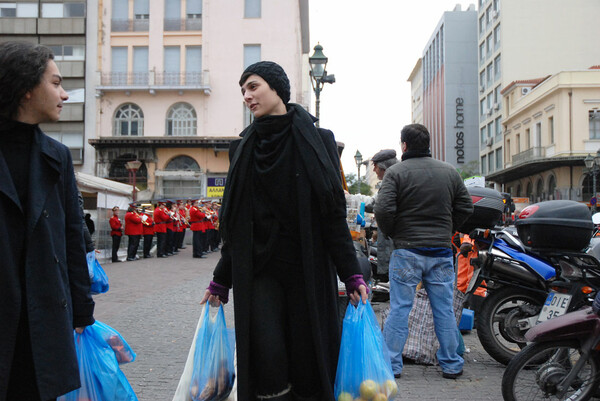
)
(325, 180)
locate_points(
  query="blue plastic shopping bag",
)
(101, 378)
(98, 278)
(364, 368)
(213, 372)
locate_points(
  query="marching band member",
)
(161, 219)
(115, 233)
(197, 226)
(170, 228)
(148, 231)
(134, 230)
(183, 223)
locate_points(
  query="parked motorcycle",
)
(532, 278)
(561, 363)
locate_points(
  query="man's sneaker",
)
(397, 375)
(452, 375)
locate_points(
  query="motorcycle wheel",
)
(535, 372)
(497, 321)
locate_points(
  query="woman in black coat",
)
(44, 279)
(285, 237)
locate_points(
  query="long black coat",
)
(56, 273)
(327, 249)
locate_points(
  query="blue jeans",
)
(407, 269)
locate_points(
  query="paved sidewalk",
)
(154, 304)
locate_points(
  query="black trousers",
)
(116, 242)
(147, 244)
(132, 246)
(170, 241)
(161, 244)
(197, 243)
(282, 350)
(180, 237)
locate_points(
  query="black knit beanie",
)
(273, 74)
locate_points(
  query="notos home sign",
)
(460, 135)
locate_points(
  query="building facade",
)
(449, 81)
(416, 93)
(526, 39)
(60, 25)
(551, 125)
(167, 85)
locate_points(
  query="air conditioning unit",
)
(525, 91)
(496, 106)
(490, 141)
(482, 88)
(495, 14)
(489, 111)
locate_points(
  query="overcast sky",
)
(372, 47)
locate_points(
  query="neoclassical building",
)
(167, 90)
(551, 124)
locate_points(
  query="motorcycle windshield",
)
(542, 268)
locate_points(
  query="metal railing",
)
(129, 25)
(127, 79)
(183, 24)
(529, 154)
(178, 78)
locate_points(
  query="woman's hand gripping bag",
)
(101, 378)
(364, 369)
(213, 372)
(98, 277)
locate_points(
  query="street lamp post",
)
(593, 164)
(358, 160)
(133, 166)
(319, 77)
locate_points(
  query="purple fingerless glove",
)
(219, 290)
(353, 282)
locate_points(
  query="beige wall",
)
(416, 91)
(220, 108)
(566, 98)
(539, 38)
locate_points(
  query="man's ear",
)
(403, 146)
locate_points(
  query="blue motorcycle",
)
(532, 274)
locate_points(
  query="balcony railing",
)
(529, 154)
(178, 78)
(125, 79)
(183, 24)
(129, 25)
(151, 79)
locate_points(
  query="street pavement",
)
(154, 304)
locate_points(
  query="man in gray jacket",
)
(382, 160)
(421, 203)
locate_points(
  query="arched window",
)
(587, 190)
(539, 190)
(529, 193)
(129, 121)
(518, 190)
(552, 188)
(183, 163)
(181, 120)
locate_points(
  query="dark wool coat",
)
(56, 273)
(326, 249)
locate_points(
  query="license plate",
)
(556, 304)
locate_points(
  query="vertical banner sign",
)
(215, 187)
